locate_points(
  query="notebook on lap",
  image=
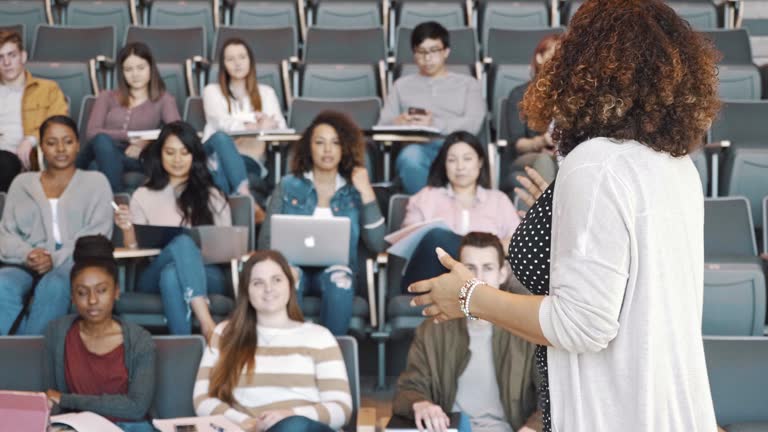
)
(311, 241)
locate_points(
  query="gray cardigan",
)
(139, 360)
(27, 222)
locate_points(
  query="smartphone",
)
(186, 428)
(416, 111)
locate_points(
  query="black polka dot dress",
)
(529, 258)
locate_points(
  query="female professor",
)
(631, 91)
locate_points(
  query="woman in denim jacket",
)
(328, 178)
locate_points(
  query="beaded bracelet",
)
(465, 296)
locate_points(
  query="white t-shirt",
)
(219, 118)
(55, 218)
(11, 126)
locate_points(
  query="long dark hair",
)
(238, 343)
(156, 84)
(251, 83)
(438, 176)
(194, 201)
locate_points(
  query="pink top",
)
(491, 212)
(115, 120)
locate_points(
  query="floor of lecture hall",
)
(381, 400)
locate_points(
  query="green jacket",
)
(440, 353)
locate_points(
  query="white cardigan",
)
(218, 117)
(624, 311)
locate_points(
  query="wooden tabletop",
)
(126, 253)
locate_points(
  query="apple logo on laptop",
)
(309, 242)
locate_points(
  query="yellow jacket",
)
(42, 98)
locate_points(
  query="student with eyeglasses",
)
(434, 97)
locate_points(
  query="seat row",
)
(300, 14)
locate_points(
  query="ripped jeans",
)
(335, 285)
(179, 275)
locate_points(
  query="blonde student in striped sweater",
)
(269, 370)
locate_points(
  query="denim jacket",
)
(297, 196)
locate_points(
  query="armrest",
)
(382, 261)
(717, 145)
(372, 309)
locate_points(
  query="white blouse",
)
(626, 293)
(219, 118)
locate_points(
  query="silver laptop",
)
(311, 241)
(220, 244)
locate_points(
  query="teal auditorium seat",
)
(738, 379)
(26, 12)
(518, 15)
(451, 14)
(734, 282)
(739, 77)
(118, 13)
(187, 13)
(347, 14)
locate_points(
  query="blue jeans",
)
(299, 423)
(140, 426)
(424, 263)
(465, 425)
(51, 299)
(413, 162)
(225, 162)
(179, 275)
(110, 159)
(336, 287)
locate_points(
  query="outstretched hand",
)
(441, 294)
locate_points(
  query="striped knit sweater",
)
(300, 368)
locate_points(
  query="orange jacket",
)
(42, 98)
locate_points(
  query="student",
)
(238, 102)
(458, 192)
(45, 212)
(528, 147)
(268, 370)
(449, 363)
(141, 102)
(93, 361)
(450, 102)
(27, 101)
(179, 192)
(328, 179)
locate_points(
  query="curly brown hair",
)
(627, 69)
(350, 137)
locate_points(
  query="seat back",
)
(267, 14)
(518, 15)
(73, 44)
(502, 79)
(21, 363)
(738, 376)
(28, 13)
(515, 46)
(194, 113)
(170, 44)
(85, 113)
(733, 44)
(241, 207)
(699, 159)
(765, 225)
(739, 82)
(2, 204)
(363, 111)
(742, 123)
(74, 79)
(701, 15)
(362, 46)
(174, 76)
(451, 14)
(269, 45)
(348, 346)
(339, 81)
(176, 364)
(728, 228)
(396, 213)
(464, 49)
(18, 28)
(348, 14)
(174, 13)
(117, 13)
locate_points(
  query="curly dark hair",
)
(627, 69)
(350, 137)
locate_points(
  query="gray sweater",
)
(139, 360)
(84, 209)
(455, 100)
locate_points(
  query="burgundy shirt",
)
(115, 120)
(87, 373)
